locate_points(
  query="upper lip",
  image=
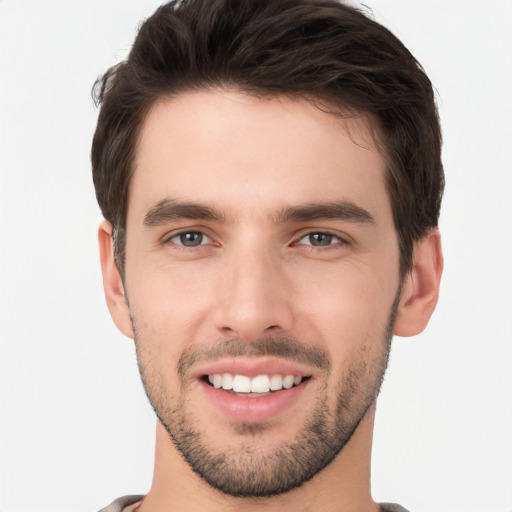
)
(253, 366)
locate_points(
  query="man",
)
(270, 176)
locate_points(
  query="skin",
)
(256, 274)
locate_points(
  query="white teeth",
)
(227, 381)
(241, 384)
(217, 380)
(258, 384)
(276, 382)
(288, 381)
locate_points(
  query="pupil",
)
(320, 239)
(191, 239)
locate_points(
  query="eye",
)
(190, 239)
(320, 239)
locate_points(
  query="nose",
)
(254, 297)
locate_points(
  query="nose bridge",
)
(253, 298)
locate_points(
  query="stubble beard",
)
(247, 470)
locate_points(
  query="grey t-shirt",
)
(119, 504)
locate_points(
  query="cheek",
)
(161, 289)
(169, 306)
(347, 303)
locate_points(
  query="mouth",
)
(253, 387)
(254, 391)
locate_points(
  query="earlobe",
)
(112, 282)
(420, 289)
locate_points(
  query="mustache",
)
(282, 347)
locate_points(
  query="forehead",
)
(218, 146)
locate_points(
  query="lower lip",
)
(257, 409)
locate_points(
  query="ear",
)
(112, 282)
(420, 289)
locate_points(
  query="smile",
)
(255, 385)
(254, 397)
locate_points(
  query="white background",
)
(75, 428)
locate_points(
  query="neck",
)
(344, 485)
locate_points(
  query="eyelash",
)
(339, 241)
(185, 233)
(331, 236)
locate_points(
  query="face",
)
(262, 274)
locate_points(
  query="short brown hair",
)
(317, 48)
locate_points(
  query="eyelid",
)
(168, 238)
(342, 238)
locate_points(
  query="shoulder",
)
(392, 507)
(119, 504)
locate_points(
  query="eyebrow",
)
(336, 210)
(169, 210)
